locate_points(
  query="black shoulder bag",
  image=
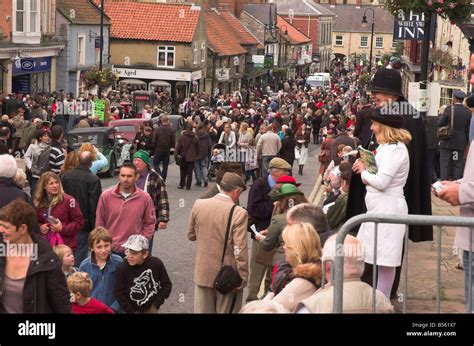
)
(228, 279)
(445, 133)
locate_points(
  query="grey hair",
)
(20, 178)
(8, 166)
(353, 253)
(276, 170)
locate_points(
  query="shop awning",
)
(131, 81)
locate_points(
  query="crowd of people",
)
(96, 245)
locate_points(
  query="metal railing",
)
(421, 220)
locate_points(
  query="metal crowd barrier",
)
(407, 220)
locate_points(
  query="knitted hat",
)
(142, 155)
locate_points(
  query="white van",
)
(319, 80)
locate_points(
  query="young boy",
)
(142, 283)
(101, 266)
(80, 286)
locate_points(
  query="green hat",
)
(284, 190)
(142, 155)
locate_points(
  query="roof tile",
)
(222, 38)
(294, 35)
(84, 11)
(245, 37)
(152, 21)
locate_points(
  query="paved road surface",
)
(172, 245)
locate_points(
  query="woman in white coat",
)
(385, 196)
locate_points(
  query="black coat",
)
(45, 289)
(287, 150)
(10, 192)
(86, 188)
(462, 122)
(417, 188)
(363, 123)
(260, 205)
(11, 105)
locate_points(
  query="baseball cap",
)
(136, 242)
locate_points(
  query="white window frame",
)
(394, 44)
(46, 16)
(367, 42)
(27, 36)
(81, 51)
(203, 51)
(379, 38)
(195, 53)
(337, 40)
(166, 50)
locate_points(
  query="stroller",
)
(218, 153)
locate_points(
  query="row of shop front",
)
(28, 70)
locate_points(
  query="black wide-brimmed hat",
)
(388, 81)
(395, 121)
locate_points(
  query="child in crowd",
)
(142, 283)
(101, 265)
(80, 286)
(251, 163)
(217, 155)
(66, 256)
(143, 139)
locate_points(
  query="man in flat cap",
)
(208, 229)
(451, 151)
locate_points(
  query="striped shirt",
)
(56, 157)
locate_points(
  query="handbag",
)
(444, 133)
(297, 153)
(323, 156)
(227, 279)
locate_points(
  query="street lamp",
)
(364, 21)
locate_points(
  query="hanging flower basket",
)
(457, 11)
(103, 79)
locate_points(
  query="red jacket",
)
(70, 215)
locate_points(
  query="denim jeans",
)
(82, 249)
(465, 260)
(159, 158)
(200, 171)
(150, 244)
(266, 162)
